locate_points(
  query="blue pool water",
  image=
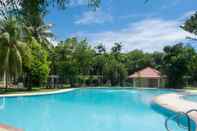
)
(86, 110)
(191, 98)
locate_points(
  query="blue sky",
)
(148, 27)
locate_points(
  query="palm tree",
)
(37, 6)
(11, 49)
(42, 34)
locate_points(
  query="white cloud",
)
(53, 41)
(94, 17)
(148, 35)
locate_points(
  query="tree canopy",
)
(12, 48)
(176, 62)
(36, 8)
(191, 25)
(26, 51)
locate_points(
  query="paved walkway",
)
(8, 128)
(36, 93)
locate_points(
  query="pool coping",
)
(71, 89)
(4, 127)
(176, 103)
(37, 93)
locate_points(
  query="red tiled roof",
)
(146, 73)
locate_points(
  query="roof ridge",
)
(146, 72)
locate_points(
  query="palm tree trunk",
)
(6, 81)
(29, 88)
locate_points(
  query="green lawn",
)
(191, 88)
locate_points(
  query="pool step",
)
(177, 119)
(175, 103)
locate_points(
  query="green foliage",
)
(114, 71)
(36, 8)
(76, 59)
(41, 33)
(176, 63)
(19, 50)
(12, 48)
(191, 24)
(39, 65)
(136, 60)
(99, 63)
(84, 57)
(193, 69)
(116, 48)
(157, 60)
(100, 49)
(73, 58)
(26, 45)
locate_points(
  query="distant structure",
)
(147, 77)
(54, 82)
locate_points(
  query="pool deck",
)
(8, 128)
(37, 93)
(176, 103)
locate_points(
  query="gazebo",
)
(147, 77)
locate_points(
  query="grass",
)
(34, 89)
(190, 88)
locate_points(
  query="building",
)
(147, 77)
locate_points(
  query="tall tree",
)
(114, 71)
(74, 58)
(136, 60)
(32, 12)
(64, 62)
(42, 34)
(36, 7)
(191, 25)
(39, 69)
(100, 49)
(116, 48)
(157, 60)
(84, 57)
(12, 48)
(176, 64)
(116, 51)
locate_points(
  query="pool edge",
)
(37, 93)
(4, 127)
(175, 103)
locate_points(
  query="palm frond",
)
(11, 48)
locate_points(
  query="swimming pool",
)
(86, 110)
(191, 97)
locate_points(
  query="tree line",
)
(27, 55)
(79, 63)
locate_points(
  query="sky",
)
(148, 27)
